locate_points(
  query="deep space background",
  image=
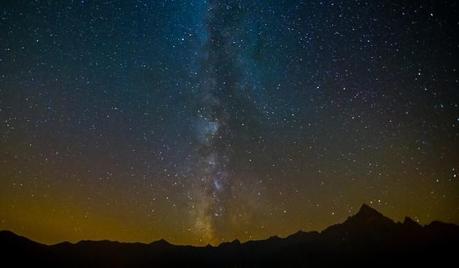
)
(205, 121)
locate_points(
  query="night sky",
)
(205, 121)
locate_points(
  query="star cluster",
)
(208, 120)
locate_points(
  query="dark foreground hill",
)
(366, 239)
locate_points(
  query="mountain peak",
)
(366, 220)
(367, 210)
(369, 215)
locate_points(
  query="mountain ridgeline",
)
(365, 239)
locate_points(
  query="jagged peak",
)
(366, 209)
(367, 214)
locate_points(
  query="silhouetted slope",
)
(18, 250)
(365, 239)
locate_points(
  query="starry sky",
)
(203, 121)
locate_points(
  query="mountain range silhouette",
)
(365, 239)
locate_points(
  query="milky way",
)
(221, 110)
